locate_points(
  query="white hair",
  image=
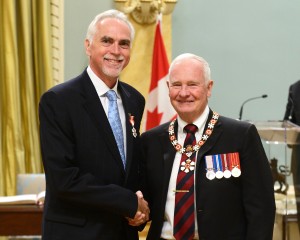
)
(112, 13)
(206, 68)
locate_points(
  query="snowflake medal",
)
(187, 165)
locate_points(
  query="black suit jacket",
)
(227, 209)
(292, 112)
(88, 192)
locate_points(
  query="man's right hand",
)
(143, 211)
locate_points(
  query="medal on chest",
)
(222, 165)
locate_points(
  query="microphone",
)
(241, 110)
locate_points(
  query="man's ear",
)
(87, 47)
(209, 87)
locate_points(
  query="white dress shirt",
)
(167, 230)
(102, 89)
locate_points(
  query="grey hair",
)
(112, 13)
(206, 68)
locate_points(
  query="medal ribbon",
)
(218, 162)
(225, 161)
(209, 163)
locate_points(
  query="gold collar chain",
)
(195, 148)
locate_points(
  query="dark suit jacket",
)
(292, 113)
(227, 209)
(293, 104)
(88, 193)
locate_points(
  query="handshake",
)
(143, 211)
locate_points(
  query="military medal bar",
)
(223, 165)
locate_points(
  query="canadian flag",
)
(158, 108)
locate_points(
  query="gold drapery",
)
(25, 73)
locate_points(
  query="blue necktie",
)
(115, 122)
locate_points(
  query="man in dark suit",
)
(232, 196)
(292, 114)
(91, 192)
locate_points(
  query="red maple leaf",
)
(153, 119)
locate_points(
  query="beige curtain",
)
(25, 73)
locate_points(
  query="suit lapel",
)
(95, 110)
(169, 156)
(211, 141)
(126, 100)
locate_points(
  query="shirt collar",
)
(199, 122)
(99, 85)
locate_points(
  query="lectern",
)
(284, 132)
(278, 138)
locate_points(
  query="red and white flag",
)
(158, 108)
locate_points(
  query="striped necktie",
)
(184, 216)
